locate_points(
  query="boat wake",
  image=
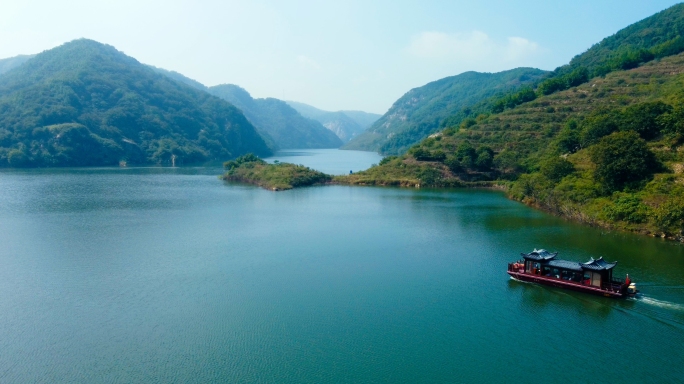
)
(661, 304)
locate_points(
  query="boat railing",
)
(516, 267)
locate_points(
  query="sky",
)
(334, 55)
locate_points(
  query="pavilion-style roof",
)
(539, 255)
(564, 264)
(598, 264)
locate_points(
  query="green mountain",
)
(181, 78)
(604, 148)
(655, 37)
(13, 62)
(276, 119)
(421, 111)
(85, 103)
(345, 124)
(609, 152)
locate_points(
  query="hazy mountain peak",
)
(345, 124)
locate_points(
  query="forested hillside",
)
(85, 103)
(655, 37)
(276, 120)
(609, 152)
(421, 111)
(345, 124)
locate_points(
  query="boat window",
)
(564, 275)
(587, 278)
(546, 271)
(556, 273)
(576, 277)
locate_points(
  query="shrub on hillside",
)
(556, 168)
(622, 159)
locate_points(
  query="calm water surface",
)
(330, 161)
(170, 275)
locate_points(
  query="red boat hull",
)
(559, 283)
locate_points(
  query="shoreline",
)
(567, 213)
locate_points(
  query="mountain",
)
(13, 62)
(420, 111)
(345, 124)
(655, 37)
(180, 78)
(277, 120)
(609, 152)
(85, 103)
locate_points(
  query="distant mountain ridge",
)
(85, 103)
(278, 120)
(279, 124)
(421, 110)
(13, 62)
(345, 124)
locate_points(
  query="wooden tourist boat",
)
(594, 276)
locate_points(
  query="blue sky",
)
(345, 54)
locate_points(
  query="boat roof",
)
(549, 259)
(598, 264)
(564, 264)
(539, 255)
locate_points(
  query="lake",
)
(170, 275)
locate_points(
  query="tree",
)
(568, 139)
(601, 123)
(643, 118)
(622, 159)
(485, 157)
(466, 154)
(673, 121)
(556, 168)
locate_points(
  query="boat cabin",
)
(596, 272)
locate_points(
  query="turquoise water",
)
(170, 275)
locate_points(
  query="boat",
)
(594, 276)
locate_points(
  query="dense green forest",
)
(278, 121)
(421, 111)
(345, 124)
(277, 177)
(85, 103)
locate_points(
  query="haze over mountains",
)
(281, 126)
(421, 110)
(109, 103)
(345, 124)
(13, 62)
(278, 120)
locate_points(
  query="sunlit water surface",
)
(170, 275)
